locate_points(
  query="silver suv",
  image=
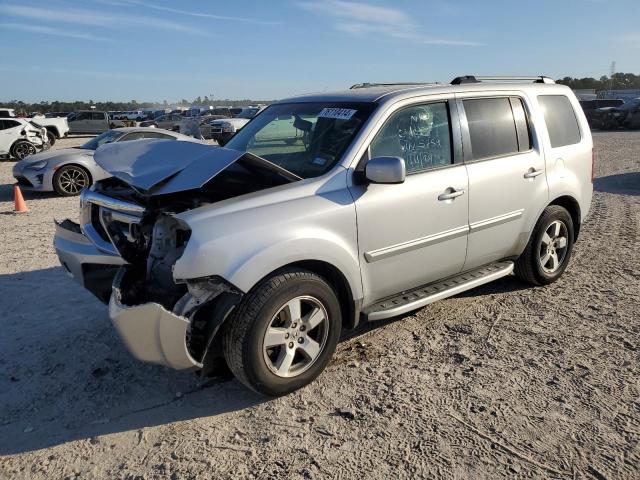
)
(325, 210)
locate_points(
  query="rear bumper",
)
(151, 333)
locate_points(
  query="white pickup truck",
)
(56, 127)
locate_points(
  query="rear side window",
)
(561, 121)
(492, 127)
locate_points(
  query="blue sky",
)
(169, 50)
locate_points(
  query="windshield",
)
(307, 139)
(106, 137)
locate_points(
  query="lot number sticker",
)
(337, 113)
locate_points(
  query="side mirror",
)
(385, 170)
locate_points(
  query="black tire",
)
(244, 334)
(529, 266)
(51, 136)
(22, 149)
(63, 176)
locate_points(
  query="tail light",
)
(593, 164)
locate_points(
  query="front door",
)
(413, 233)
(507, 182)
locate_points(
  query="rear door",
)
(506, 168)
(8, 135)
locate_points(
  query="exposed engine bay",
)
(131, 215)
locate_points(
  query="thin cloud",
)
(96, 18)
(356, 18)
(52, 31)
(200, 14)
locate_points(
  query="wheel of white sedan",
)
(284, 332)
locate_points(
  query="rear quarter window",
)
(560, 119)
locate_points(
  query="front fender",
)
(244, 264)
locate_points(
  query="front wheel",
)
(548, 252)
(284, 332)
(70, 180)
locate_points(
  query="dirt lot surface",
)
(506, 381)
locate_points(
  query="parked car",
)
(199, 126)
(93, 121)
(224, 128)
(595, 110)
(20, 137)
(69, 170)
(626, 115)
(169, 121)
(57, 127)
(263, 252)
(57, 114)
(7, 113)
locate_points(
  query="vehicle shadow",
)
(621, 184)
(6, 194)
(65, 375)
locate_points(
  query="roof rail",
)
(399, 84)
(495, 78)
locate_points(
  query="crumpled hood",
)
(166, 166)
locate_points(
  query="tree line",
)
(618, 81)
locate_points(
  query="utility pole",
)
(612, 72)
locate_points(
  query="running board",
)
(421, 296)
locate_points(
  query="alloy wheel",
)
(24, 149)
(553, 246)
(72, 180)
(296, 336)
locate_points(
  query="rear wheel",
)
(22, 149)
(70, 180)
(547, 254)
(284, 332)
(51, 137)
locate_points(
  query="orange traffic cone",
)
(20, 205)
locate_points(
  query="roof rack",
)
(399, 84)
(474, 79)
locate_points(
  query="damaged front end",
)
(129, 240)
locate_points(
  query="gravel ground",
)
(503, 381)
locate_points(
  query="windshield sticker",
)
(337, 113)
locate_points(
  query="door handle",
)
(450, 194)
(532, 173)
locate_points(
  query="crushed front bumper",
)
(151, 332)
